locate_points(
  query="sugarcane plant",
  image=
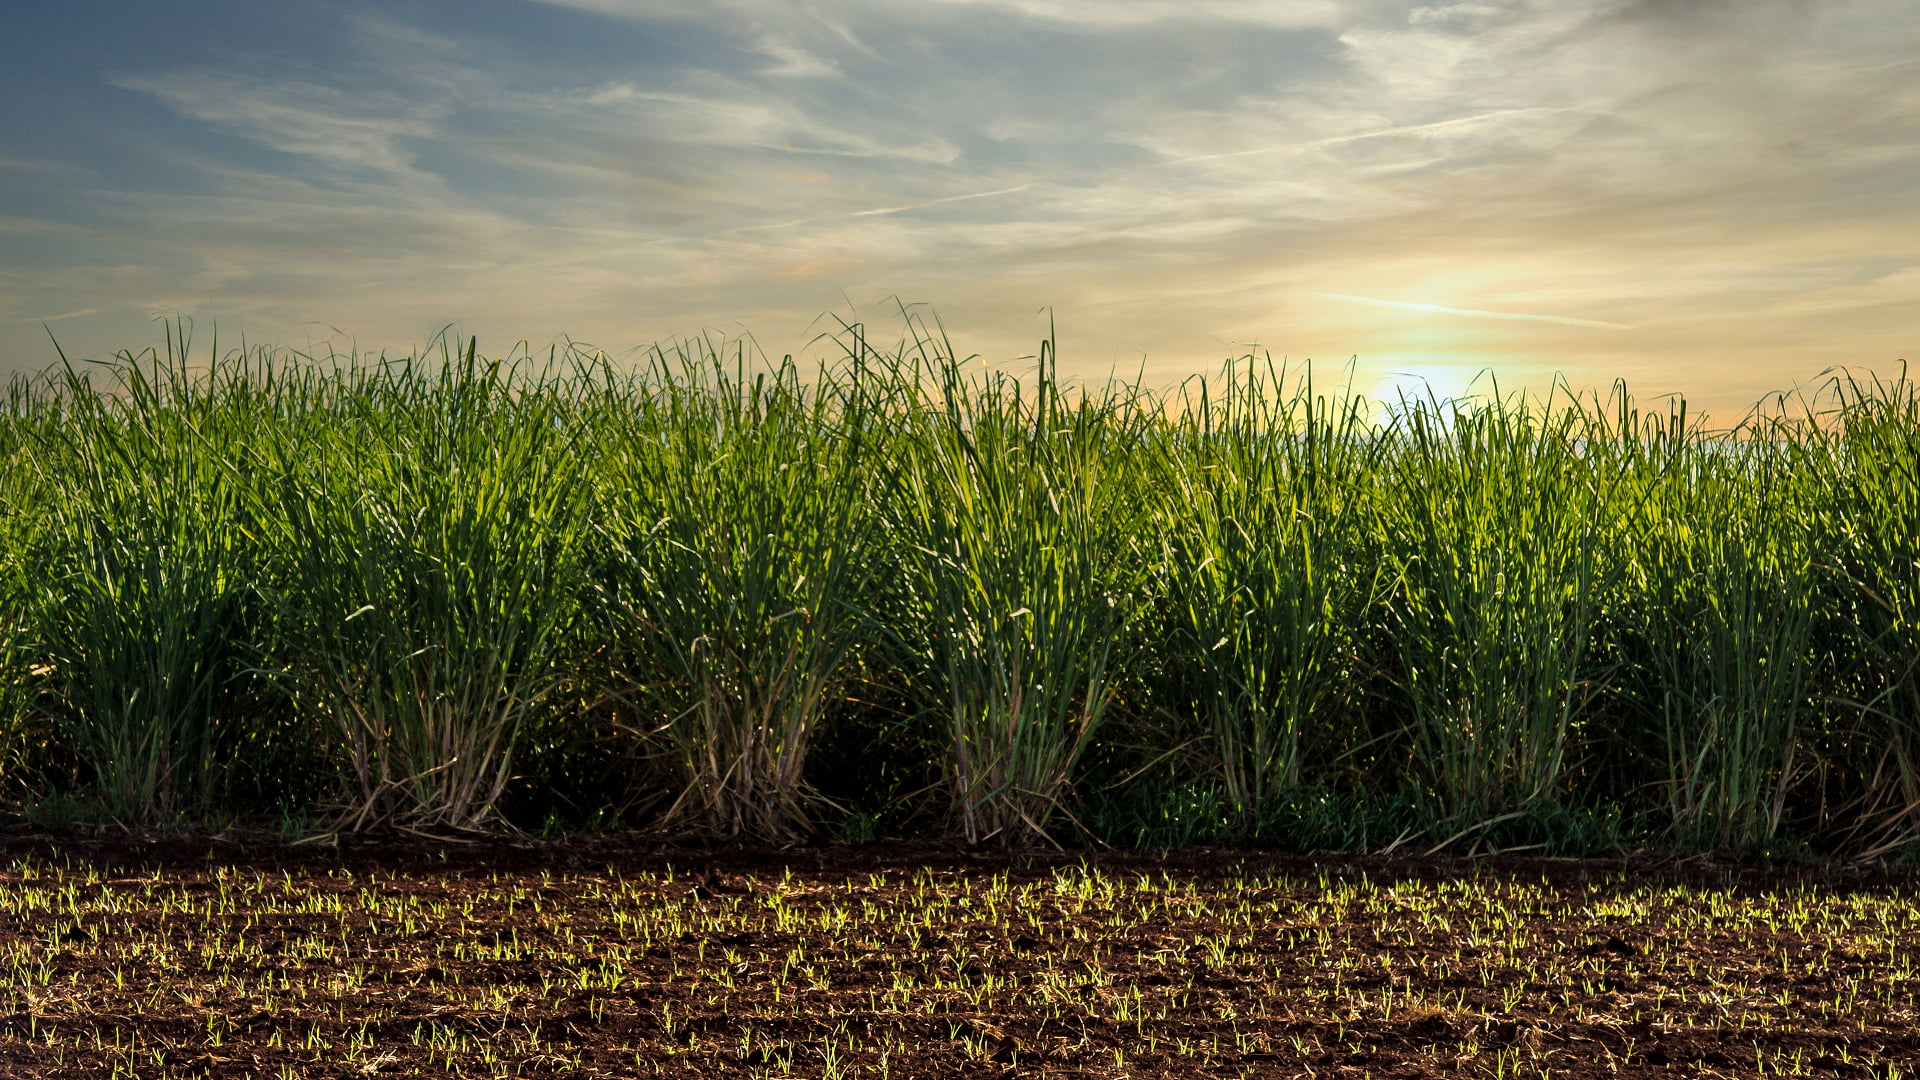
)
(735, 516)
(1496, 524)
(140, 623)
(1725, 585)
(1264, 574)
(1013, 511)
(432, 525)
(1866, 460)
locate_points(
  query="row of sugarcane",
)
(384, 589)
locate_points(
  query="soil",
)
(206, 957)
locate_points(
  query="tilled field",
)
(181, 958)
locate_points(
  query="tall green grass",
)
(388, 593)
(430, 530)
(23, 411)
(1496, 528)
(736, 518)
(142, 580)
(1266, 503)
(1013, 513)
(1723, 605)
(1867, 471)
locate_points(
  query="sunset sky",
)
(1713, 198)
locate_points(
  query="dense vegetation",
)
(902, 594)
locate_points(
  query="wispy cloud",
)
(10, 223)
(1134, 13)
(332, 124)
(56, 318)
(883, 210)
(1475, 312)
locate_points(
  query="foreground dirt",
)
(141, 957)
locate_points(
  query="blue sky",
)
(1714, 198)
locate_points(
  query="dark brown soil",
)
(180, 957)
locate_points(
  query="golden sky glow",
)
(1713, 198)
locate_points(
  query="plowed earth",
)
(149, 958)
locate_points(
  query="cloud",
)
(337, 125)
(881, 211)
(1474, 312)
(10, 223)
(82, 312)
(731, 116)
(1134, 13)
(792, 61)
(1086, 13)
(61, 169)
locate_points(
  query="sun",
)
(1425, 380)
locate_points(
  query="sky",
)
(1713, 199)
